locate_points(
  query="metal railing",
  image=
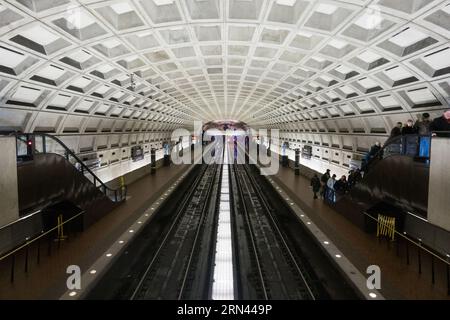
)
(416, 251)
(412, 145)
(32, 250)
(41, 143)
(411, 249)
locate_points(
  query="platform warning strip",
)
(223, 285)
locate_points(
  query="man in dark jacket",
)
(315, 184)
(341, 186)
(423, 126)
(351, 178)
(397, 130)
(441, 123)
(324, 179)
(409, 128)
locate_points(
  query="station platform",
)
(47, 280)
(398, 279)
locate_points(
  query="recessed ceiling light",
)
(131, 231)
(326, 242)
(338, 256)
(79, 19)
(93, 271)
(73, 293)
(144, 34)
(286, 2)
(369, 20)
(326, 9)
(372, 295)
(121, 7)
(121, 241)
(108, 255)
(111, 43)
(162, 2)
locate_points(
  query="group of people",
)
(420, 127)
(328, 187)
(424, 126)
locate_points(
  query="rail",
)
(249, 183)
(30, 144)
(252, 238)
(139, 290)
(281, 236)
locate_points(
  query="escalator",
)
(395, 182)
(53, 182)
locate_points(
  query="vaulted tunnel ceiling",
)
(335, 67)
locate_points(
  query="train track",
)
(175, 262)
(269, 269)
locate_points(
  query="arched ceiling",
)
(320, 66)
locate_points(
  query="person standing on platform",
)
(315, 184)
(351, 178)
(341, 185)
(324, 180)
(330, 195)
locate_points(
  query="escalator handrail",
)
(389, 142)
(71, 153)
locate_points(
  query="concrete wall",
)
(134, 175)
(315, 165)
(116, 170)
(439, 187)
(9, 203)
(307, 170)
